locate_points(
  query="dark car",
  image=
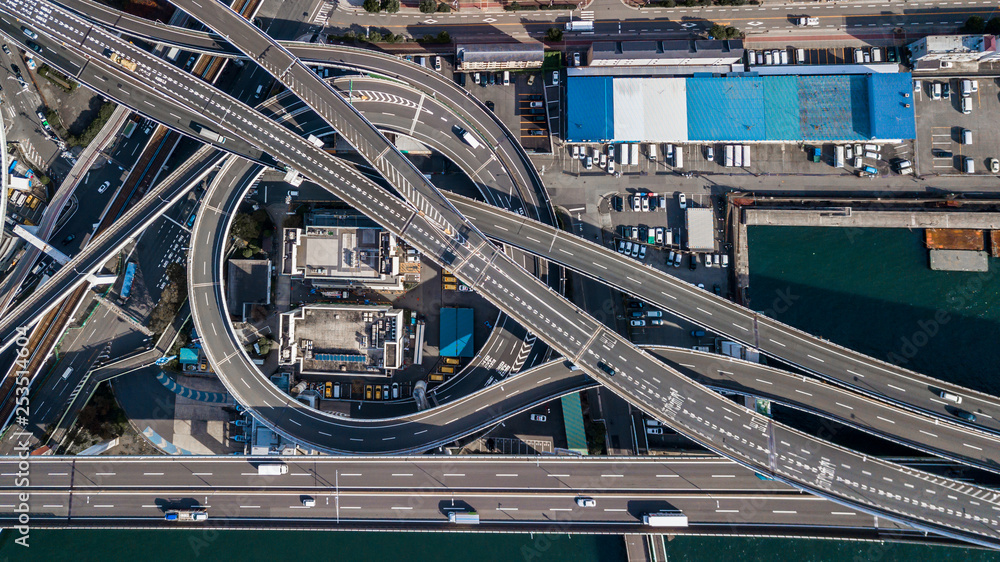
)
(717, 289)
(606, 368)
(69, 239)
(939, 153)
(636, 304)
(967, 416)
(693, 262)
(636, 314)
(16, 69)
(946, 90)
(491, 106)
(34, 46)
(536, 132)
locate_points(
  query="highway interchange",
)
(575, 333)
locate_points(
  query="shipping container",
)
(634, 154)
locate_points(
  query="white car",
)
(576, 151)
(682, 200)
(437, 64)
(538, 417)
(642, 253)
(586, 502)
(659, 235)
(308, 501)
(104, 187)
(555, 77)
(611, 165)
(638, 323)
(636, 203)
(589, 163)
(654, 430)
(645, 204)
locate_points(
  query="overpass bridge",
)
(688, 407)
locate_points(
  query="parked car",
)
(637, 323)
(104, 186)
(538, 417)
(555, 77)
(682, 200)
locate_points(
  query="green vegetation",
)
(428, 6)
(391, 6)
(372, 6)
(975, 24)
(553, 61)
(62, 81)
(723, 32)
(443, 37)
(374, 36)
(93, 128)
(102, 417)
(171, 299)
(978, 24)
(554, 34)
(442, 7)
(595, 436)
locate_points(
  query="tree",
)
(375, 37)
(372, 6)
(554, 34)
(993, 26)
(428, 6)
(723, 32)
(442, 7)
(975, 24)
(391, 6)
(245, 227)
(444, 37)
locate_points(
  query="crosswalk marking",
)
(587, 15)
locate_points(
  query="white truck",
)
(210, 134)
(464, 517)
(272, 469)
(172, 53)
(580, 26)
(633, 151)
(186, 515)
(807, 22)
(315, 141)
(468, 138)
(665, 519)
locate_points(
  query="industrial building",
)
(933, 50)
(664, 53)
(248, 284)
(505, 56)
(700, 225)
(741, 108)
(325, 339)
(343, 251)
(456, 332)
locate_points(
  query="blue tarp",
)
(456, 332)
(590, 112)
(127, 283)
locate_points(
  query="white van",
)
(966, 136)
(969, 165)
(652, 153)
(800, 56)
(950, 397)
(506, 78)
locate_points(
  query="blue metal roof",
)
(590, 112)
(726, 108)
(781, 108)
(889, 95)
(834, 107)
(456, 332)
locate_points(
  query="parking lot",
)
(664, 252)
(520, 105)
(941, 125)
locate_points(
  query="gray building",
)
(665, 53)
(504, 56)
(954, 48)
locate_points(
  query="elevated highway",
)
(820, 468)
(511, 494)
(815, 355)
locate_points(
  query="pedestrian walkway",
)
(185, 392)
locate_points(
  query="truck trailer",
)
(463, 517)
(210, 134)
(665, 519)
(272, 469)
(186, 515)
(586, 26)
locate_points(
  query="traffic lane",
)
(416, 229)
(616, 474)
(701, 307)
(69, 276)
(915, 430)
(494, 507)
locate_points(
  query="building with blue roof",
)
(742, 108)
